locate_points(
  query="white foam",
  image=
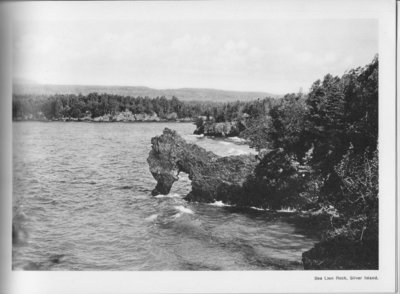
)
(219, 204)
(170, 195)
(234, 151)
(287, 209)
(152, 217)
(259, 208)
(184, 209)
(179, 214)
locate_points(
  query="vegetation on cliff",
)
(318, 152)
(334, 132)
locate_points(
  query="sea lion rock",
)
(214, 178)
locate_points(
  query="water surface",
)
(84, 194)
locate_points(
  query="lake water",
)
(84, 196)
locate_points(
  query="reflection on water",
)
(83, 192)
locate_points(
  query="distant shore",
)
(92, 121)
(186, 120)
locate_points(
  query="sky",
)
(275, 55)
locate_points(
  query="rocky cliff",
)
(214, 178)
(267, 181)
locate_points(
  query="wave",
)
(124, 187)
(283, 209)
(170, 195)
(287, 209)
(219, 204)
(79, 182)
(259, 208)
(184, 209)
(151, 217)
(179, 214)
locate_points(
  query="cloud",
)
(238, 55)
(242, 55)
(189, 42)
(304, 57)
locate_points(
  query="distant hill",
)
(183, 94)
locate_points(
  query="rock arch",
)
(214, 178)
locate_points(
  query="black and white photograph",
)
(250, 139)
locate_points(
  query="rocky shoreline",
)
(125, 116)
(220, 129)
(233, 180)
(186, 120)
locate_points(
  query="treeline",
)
(96, 105)
(332, 134)
(232, 111)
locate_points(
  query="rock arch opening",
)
(182, 186)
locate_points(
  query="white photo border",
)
(227, 281)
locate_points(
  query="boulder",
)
(221, 129)
(199, 130)
(172, 116)
(214, 178)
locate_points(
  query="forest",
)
(77, 107)
(319, 153)
(333, 133)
